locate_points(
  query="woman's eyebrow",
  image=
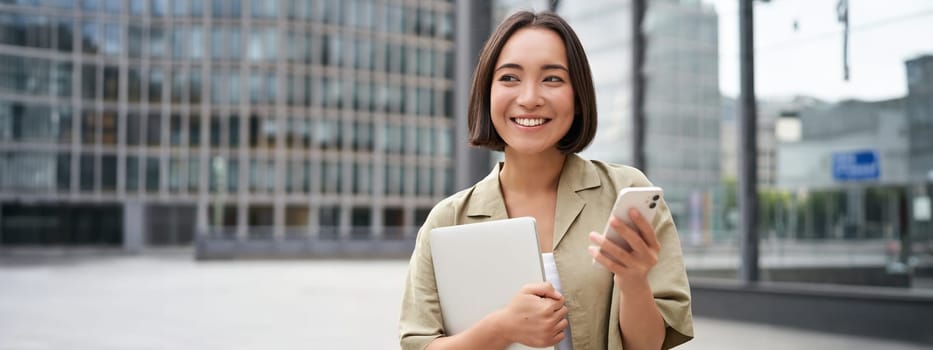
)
(554, 66)
(544, 67)
(509, 65)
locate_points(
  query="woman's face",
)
(531, 98)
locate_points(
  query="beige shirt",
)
(585, 195)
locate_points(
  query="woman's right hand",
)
(536, 316)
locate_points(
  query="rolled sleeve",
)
(420, 320)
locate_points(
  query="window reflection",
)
(331, 177)
(175, 130)
(197, 42)
(156, 42)
(86, 171)
(152, 174)
(90, 38)
(111, 83)
(194, 174)
(194, 130)
(156, 80)
(112, 43)
(89, 127)
(135, 41)
(158, 7)
(178, 85)
(89, 81)
(108, 172)
(179, 8)
(154, 129)
(393, 178)
(194, 89)
(218, 38)
(133, 129)
(175, 179)
(218, 88)
(179, 41)
(137, 7)
(234, 131)
(110, 126)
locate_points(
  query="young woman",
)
(532, 98)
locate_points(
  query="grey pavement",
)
(165, 300)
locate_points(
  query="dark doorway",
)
(170, 224)
(61, 224)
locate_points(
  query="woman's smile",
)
(530, 121)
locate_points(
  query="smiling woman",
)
(532, 98)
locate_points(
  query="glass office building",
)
(681, 103)
(152, 121)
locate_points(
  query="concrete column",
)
(201, 220)
(855, 210)
(377, 224)
(473, 28)
(134, 226)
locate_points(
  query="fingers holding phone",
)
(628, 245)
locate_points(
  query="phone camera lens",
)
(656, 197)
(652, 205)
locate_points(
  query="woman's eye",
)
(508, 77)
(553, 79)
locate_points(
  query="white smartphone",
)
(645, 199)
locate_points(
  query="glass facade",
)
(681, 103)
(261, 106)
(843, 150)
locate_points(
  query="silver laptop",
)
(480, 267)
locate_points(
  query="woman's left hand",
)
(629, 262)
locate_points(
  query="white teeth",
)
(529, 121)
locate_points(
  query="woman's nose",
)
(530, 96)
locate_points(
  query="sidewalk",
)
(165, 300)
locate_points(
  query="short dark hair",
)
(482, 131)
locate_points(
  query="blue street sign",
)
(856, 166)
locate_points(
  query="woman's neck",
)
(531, 173)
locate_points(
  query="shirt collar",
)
(578, 174)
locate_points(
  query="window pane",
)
(152, 174)
(154, 129)
(135, 41)
(63, 172)
(86, 170)
(157, 42)
(89, 127)
(234, 131)
(175, 180)
(135, 85)
(112, 43)
(133, 129)
(156, 79)
(179, 8)
(197, 42)
(159, 7)
(218, 87)
(90, 37)
(194, 174)
(111, 83)
(109, 127)
(194, 130)
(217, 42)
(132, 173)
(89, 81)
(194, 89)
(179, 40)
(175, 131)
(108, 175)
